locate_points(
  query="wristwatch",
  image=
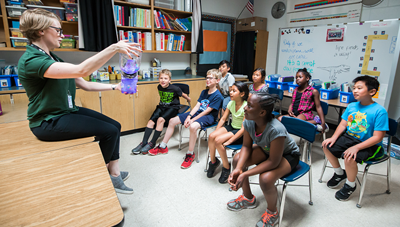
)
(113, 86)
(190, 115)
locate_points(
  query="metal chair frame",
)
(386, 157)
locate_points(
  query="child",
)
(225, 82)
(274, 152)
(258, 85)
(230, 134)
(166, 109)
(202, 115)
(304, 99)
(366, 123)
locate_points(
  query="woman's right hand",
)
(126, 47)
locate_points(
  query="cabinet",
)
(261, 48)
(88, 99)
(119, 107)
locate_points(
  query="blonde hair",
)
(34, 20)
(166, 72)
(215, 73)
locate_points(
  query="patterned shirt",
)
(306, 102)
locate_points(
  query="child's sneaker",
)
(137, 149)
(345, 192)
(212, 167)
(317, 119)
(146, 148)
(242, 203)
(319, 127)
(189, 158)
(224, 175)
(336, 180)
(268, 219)
(158, 150)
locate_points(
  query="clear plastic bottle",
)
(129, 68)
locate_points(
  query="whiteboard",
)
(347, 51)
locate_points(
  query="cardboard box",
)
(251, 24)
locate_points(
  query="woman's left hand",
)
(118, 87)
(126, 47)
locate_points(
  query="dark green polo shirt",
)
(48, 98)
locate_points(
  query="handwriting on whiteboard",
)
(393, 45)
(381, 24)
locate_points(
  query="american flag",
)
(250, 6)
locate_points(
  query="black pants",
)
(80, 124)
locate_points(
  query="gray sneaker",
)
(125, 175)
(268, 219)
(242, 203)
(119, 185)
(137, 149)
(145, 149)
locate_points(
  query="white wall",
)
(388, 9)
(229, 8)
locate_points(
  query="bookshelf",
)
(153, 28)
(71, 28)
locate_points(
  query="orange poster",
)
(215, 41)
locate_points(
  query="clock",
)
(278, 10)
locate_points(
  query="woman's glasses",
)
(59, 30)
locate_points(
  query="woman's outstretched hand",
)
(126, 47)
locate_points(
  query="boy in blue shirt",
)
(205, 113)
(365, 123)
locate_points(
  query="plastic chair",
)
(185, 89)
(374, 161)
(278, 92)
(306, 131)
(233, 147)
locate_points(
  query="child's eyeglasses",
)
(59, 30)
(209, 78)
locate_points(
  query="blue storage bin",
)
(16, 79)
(283, 85)
(292, 87)
(346, 97)
(271, 84)
(273, 77)
(318, 87)
(5, 81)
(329, 94)
(15, 24)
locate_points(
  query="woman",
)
(50, 85)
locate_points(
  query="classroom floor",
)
(166, 195)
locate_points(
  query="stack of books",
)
(143, 38)
(133, 17)
(167, 21)
(170, 42)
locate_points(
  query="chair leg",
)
(310, 185)
(323, 170)
(180, 137)
(198, 146)
(364, 181)
(388, 174)
(208, 156)
(282, 208)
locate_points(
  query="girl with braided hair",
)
(267, 144)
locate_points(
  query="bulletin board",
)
(342, 52)
(218, 42)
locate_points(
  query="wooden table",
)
(335, 103)
(63, 183)
(64, 187)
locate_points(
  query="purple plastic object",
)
(131, 67)
(129, 86)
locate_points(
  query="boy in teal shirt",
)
(365, 123)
